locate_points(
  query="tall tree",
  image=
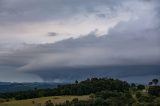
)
(76, 82)
(155, 81)
(150, 83)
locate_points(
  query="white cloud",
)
(20, 23)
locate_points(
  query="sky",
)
(65, 40)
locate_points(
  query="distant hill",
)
(13, 87)
(101, 92)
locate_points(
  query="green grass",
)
(54, 99)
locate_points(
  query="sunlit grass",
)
(54, 99)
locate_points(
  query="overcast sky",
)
(64, 40)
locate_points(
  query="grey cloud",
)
(101, 15)
(92, 56)
(130, 49)
(129, 45)
(52, 34)
(67, 74)
(8, 74)
(40, 10)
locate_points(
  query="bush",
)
(154, 90)
(75, 100)
(140, 87)
(138, 95)
(3, 100)
(147, 99)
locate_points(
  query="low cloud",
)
(106, 38)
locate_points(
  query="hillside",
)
(42, 100)
(100, 91)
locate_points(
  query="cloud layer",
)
(62, 40)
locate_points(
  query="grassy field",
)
(54, 99)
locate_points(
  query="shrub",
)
(154, 90)
(140, 87)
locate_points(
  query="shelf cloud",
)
(66, 40)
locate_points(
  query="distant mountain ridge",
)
(12, 87)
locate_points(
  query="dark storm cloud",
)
(68, 74)
(116, 55)
(129, 49)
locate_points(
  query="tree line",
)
(102, 91)
(86, 87)
(137, 95)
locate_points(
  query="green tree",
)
(133, 85)
(154, 90)
(76, 82)
(155, 81)
(140, 87)
(150, 83)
